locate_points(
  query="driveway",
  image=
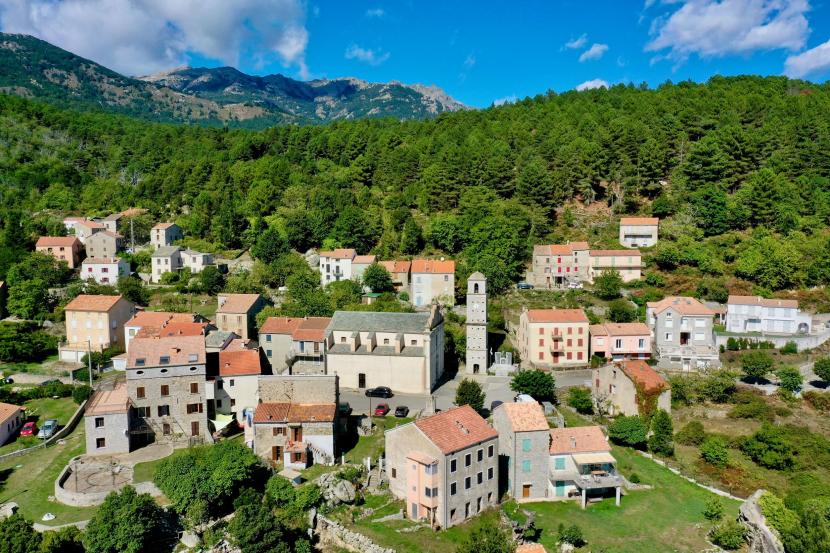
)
(30, 378)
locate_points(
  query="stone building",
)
(557, 265)
(164, 234)
(683, 333)
(617, 387)
(638, 232)
(104, 244)
(476, 325)
(524, 444)
(108, 421)
(233, 381)
(433, 280)
(237, 313)
(297, 344)
(295, 435)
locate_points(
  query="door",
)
(560, 488)
(526, 490)
(276, 454)
(361, 380)
(684, 338)
(194, 428)
(414, 511)
(297, 434)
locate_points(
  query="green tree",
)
(714, 509)
(377, 278)
(713, 451)
(756, 364)
(18, 536)
(662, 433)
(470, 393)
(769, 448)
(630, 431)
(126, 522)
(711, 209)
(608, 284)
(489, 538)
(729, 535)
(579, 397)
(280, 490)
(270, 245)
(65, 540)
(536, 383)
(81, 393)
(412, 238)
(822, 368)
(790, 378)
(620, 310)
(354, 228)
(571, 534)
(134, 290)
(254, 529)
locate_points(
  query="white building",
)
(336, 265)
(11, 418)
(196, 261)
(104, 270)
(164, 234)
(638, 232)
(433, 280)
(166, 259)
(477, 354)
(773, 316)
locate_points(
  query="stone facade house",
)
(524, 444)
(638, 232)
(11, 419)
(237, 313)
(628, 263)
(581, 465)
(104, 244)
(86, 228)
(618, 386)
(549, 338)
(557, 265)
(336, 265)
(295, 344)
(62, 248)
(404, 351)
(432, 280)
(104, 270)
(683, 333)
(233, 381)
(164, 234)
(108, 421)
(166, 383)
(620, 341)
(444, 467)
(96, 323)
(295, 435)
(166, 259)
(399, 271)
(112, 222)
(151, 323)
(766, 315)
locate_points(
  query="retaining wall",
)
(62, 433)
(332, 532)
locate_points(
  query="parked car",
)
(524, 286)
(344, 409)
(575, 285)
(494, 404)
(401, 411)
(8, 380)
(380, 391)
(48, 429)
(381, 410)
(50, 381)
(524, 398)
(29, 429)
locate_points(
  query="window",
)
(231, 382)
(165, 429)
(468, 459)
(641, 343)
(278, 431)
(192, 358)
(140, 362)
(579, 343)
(219, 384)
(100, 442)
(219, 403)
(165, 390)
(194, 408)
(570, 330)
(668, 336)
(233, 402)
(268, 352)
(490, 451)
(453, 465)
(570, 342)
(413, 342)
(163, 410)
(99, 422)
(480, 477)
(446, 278)
(526, 445)
(142, 411)
(559, 463)
(342, 339)
(431, 492)
(525, 466)
(430, 469)
(580, 329)
(452, 488)
(194, 387)
(480, 455)
(139, 392)
(164, 360)
(467, 483)
(490, 473)
(579, 355)
(700, 336)
(541, 342)
(394, 473)
(569, 356)
(267, 337)
(541, 355)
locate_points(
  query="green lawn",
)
(35, 367)
(44, 409)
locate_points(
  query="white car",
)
(575, 285)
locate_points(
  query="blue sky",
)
(478, 52)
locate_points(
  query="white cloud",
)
(577, 43)
(470, 61)
(366, 55)
(814, 60)
(375, 12)
(512, 99)
(593, 83)
(138, 37)
(595, 52)
(711, 28)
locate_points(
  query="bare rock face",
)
(8, 509)
(335, 490)
(761, 538)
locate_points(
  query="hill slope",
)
(33, 68)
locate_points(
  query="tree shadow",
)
(4, 476)
(755, 381)
(821, 384)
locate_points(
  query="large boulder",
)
(761, 537)
(8, 509)
(336, 490)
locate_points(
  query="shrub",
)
(487, 538)
(750, 405)
(790, 378)
(660, 440)
(621, 311)
(579, 397)
(728, 535)
(714, 509)
(731, 344)
(608, 284)
(713, 451)
(538, 384)
(634, 478)
(790, 348)
(822, 368)
(819, 400)
(280, 490)
(404, 295)
(571, 534)
(768, 448)
(470, 393)
(691, 434)
(630, 431)
(81, 393)
(126, 522)
(756, 364)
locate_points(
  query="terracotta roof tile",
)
(578, 439)
(312, 329)
(182, 329)
(101, 261)
(619, 329)
(163, 226)
(614, 253)
(7, 410)
(765, 302)
(364, 259)
(294, 412)
(158, 318)
(435, 266)
(556, 316)
(105, 402)
(91, 224)
(86, 302)
(531, 548)
(641, 373)
(52, 241)
(340, 253)
(240, 362)
(396, 266)
(280, 325)
(525, 417)
(181, 350)
(682, 304)
(639, 221)
(236, 303)
(456, 429)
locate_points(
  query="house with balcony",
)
(617, 387)
(682, 333)
(237, 313)
(628, 263)
(638, 232)
(295, 435)
(444, 467)
(556, 265)
(233, 381)
(581, 465)
(552, 338)
(620, 341)
(104, 270)
(296, 345)
(164, 234)
(433, 280)
(96, 323)
(62, 248)
(336, 265)
(524, 445)
(754, 314)
(399, 271)
(104, 244)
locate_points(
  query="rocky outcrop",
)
(334, 533)
(336, 490)
(8, 509)
(761, 538)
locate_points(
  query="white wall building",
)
(773, 316)
(104, 270)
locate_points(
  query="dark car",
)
(401, 411)
(380, 391)
(344, 409)
(8, 380)
(524, 286)
(381, 410)
(494, 404)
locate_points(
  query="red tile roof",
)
(619, 329)
(765, 302)
(105, 402)
(556, 316)
(163, 226)
(578, 439)
(280, 325)
(312, 329)
(240, 362)
(236, 303)
(151, 322)
(639, 221)
(456, 429)
(682, 304)
(52, 241)
(559, 249)
(614, 253)
(101, 260)
(435, 266)
(182, 329)
(294, 412)
(396, 266)
(525, 417)
(340, 253)
(178, 348)
(7, 410)
(641, 373)
(364, 259)
(91, 224)
(86, 302)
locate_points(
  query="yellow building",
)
(549, 338)
(94, 323)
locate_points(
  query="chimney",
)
(573, 442)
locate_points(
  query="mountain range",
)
(33, 68)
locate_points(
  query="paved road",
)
(497, 388)
(30, 378)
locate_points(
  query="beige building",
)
(404, 351)
(164, 234)
(617, 387)
(233, 381)
(166, 383)
(297, 344)
(112, 222)
(524, 443)
(107, 421)
(557, 265)
(432, 280)
(620, 341)
(399, 271)
(237, 313)
(166, 259)
(96, 323)
(551, 338)
(104, 244)
(11, 418)
(444, 467)
(628, 263)
(86, 228)
(151, 323)
(683, 333)
(638, 232)
(62, 248)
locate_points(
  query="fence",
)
(62, 433)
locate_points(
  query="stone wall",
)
(761, 538)
(298, 389)
(336, 534)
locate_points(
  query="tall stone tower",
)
(477, 355)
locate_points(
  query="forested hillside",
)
(739, 166)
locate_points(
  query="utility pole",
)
(89, 360)
(132, 237)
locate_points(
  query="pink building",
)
(62, 248)
(621, 341)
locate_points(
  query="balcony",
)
(557, 346)
(589, 481)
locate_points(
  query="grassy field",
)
(38, 367)
(42, 410)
